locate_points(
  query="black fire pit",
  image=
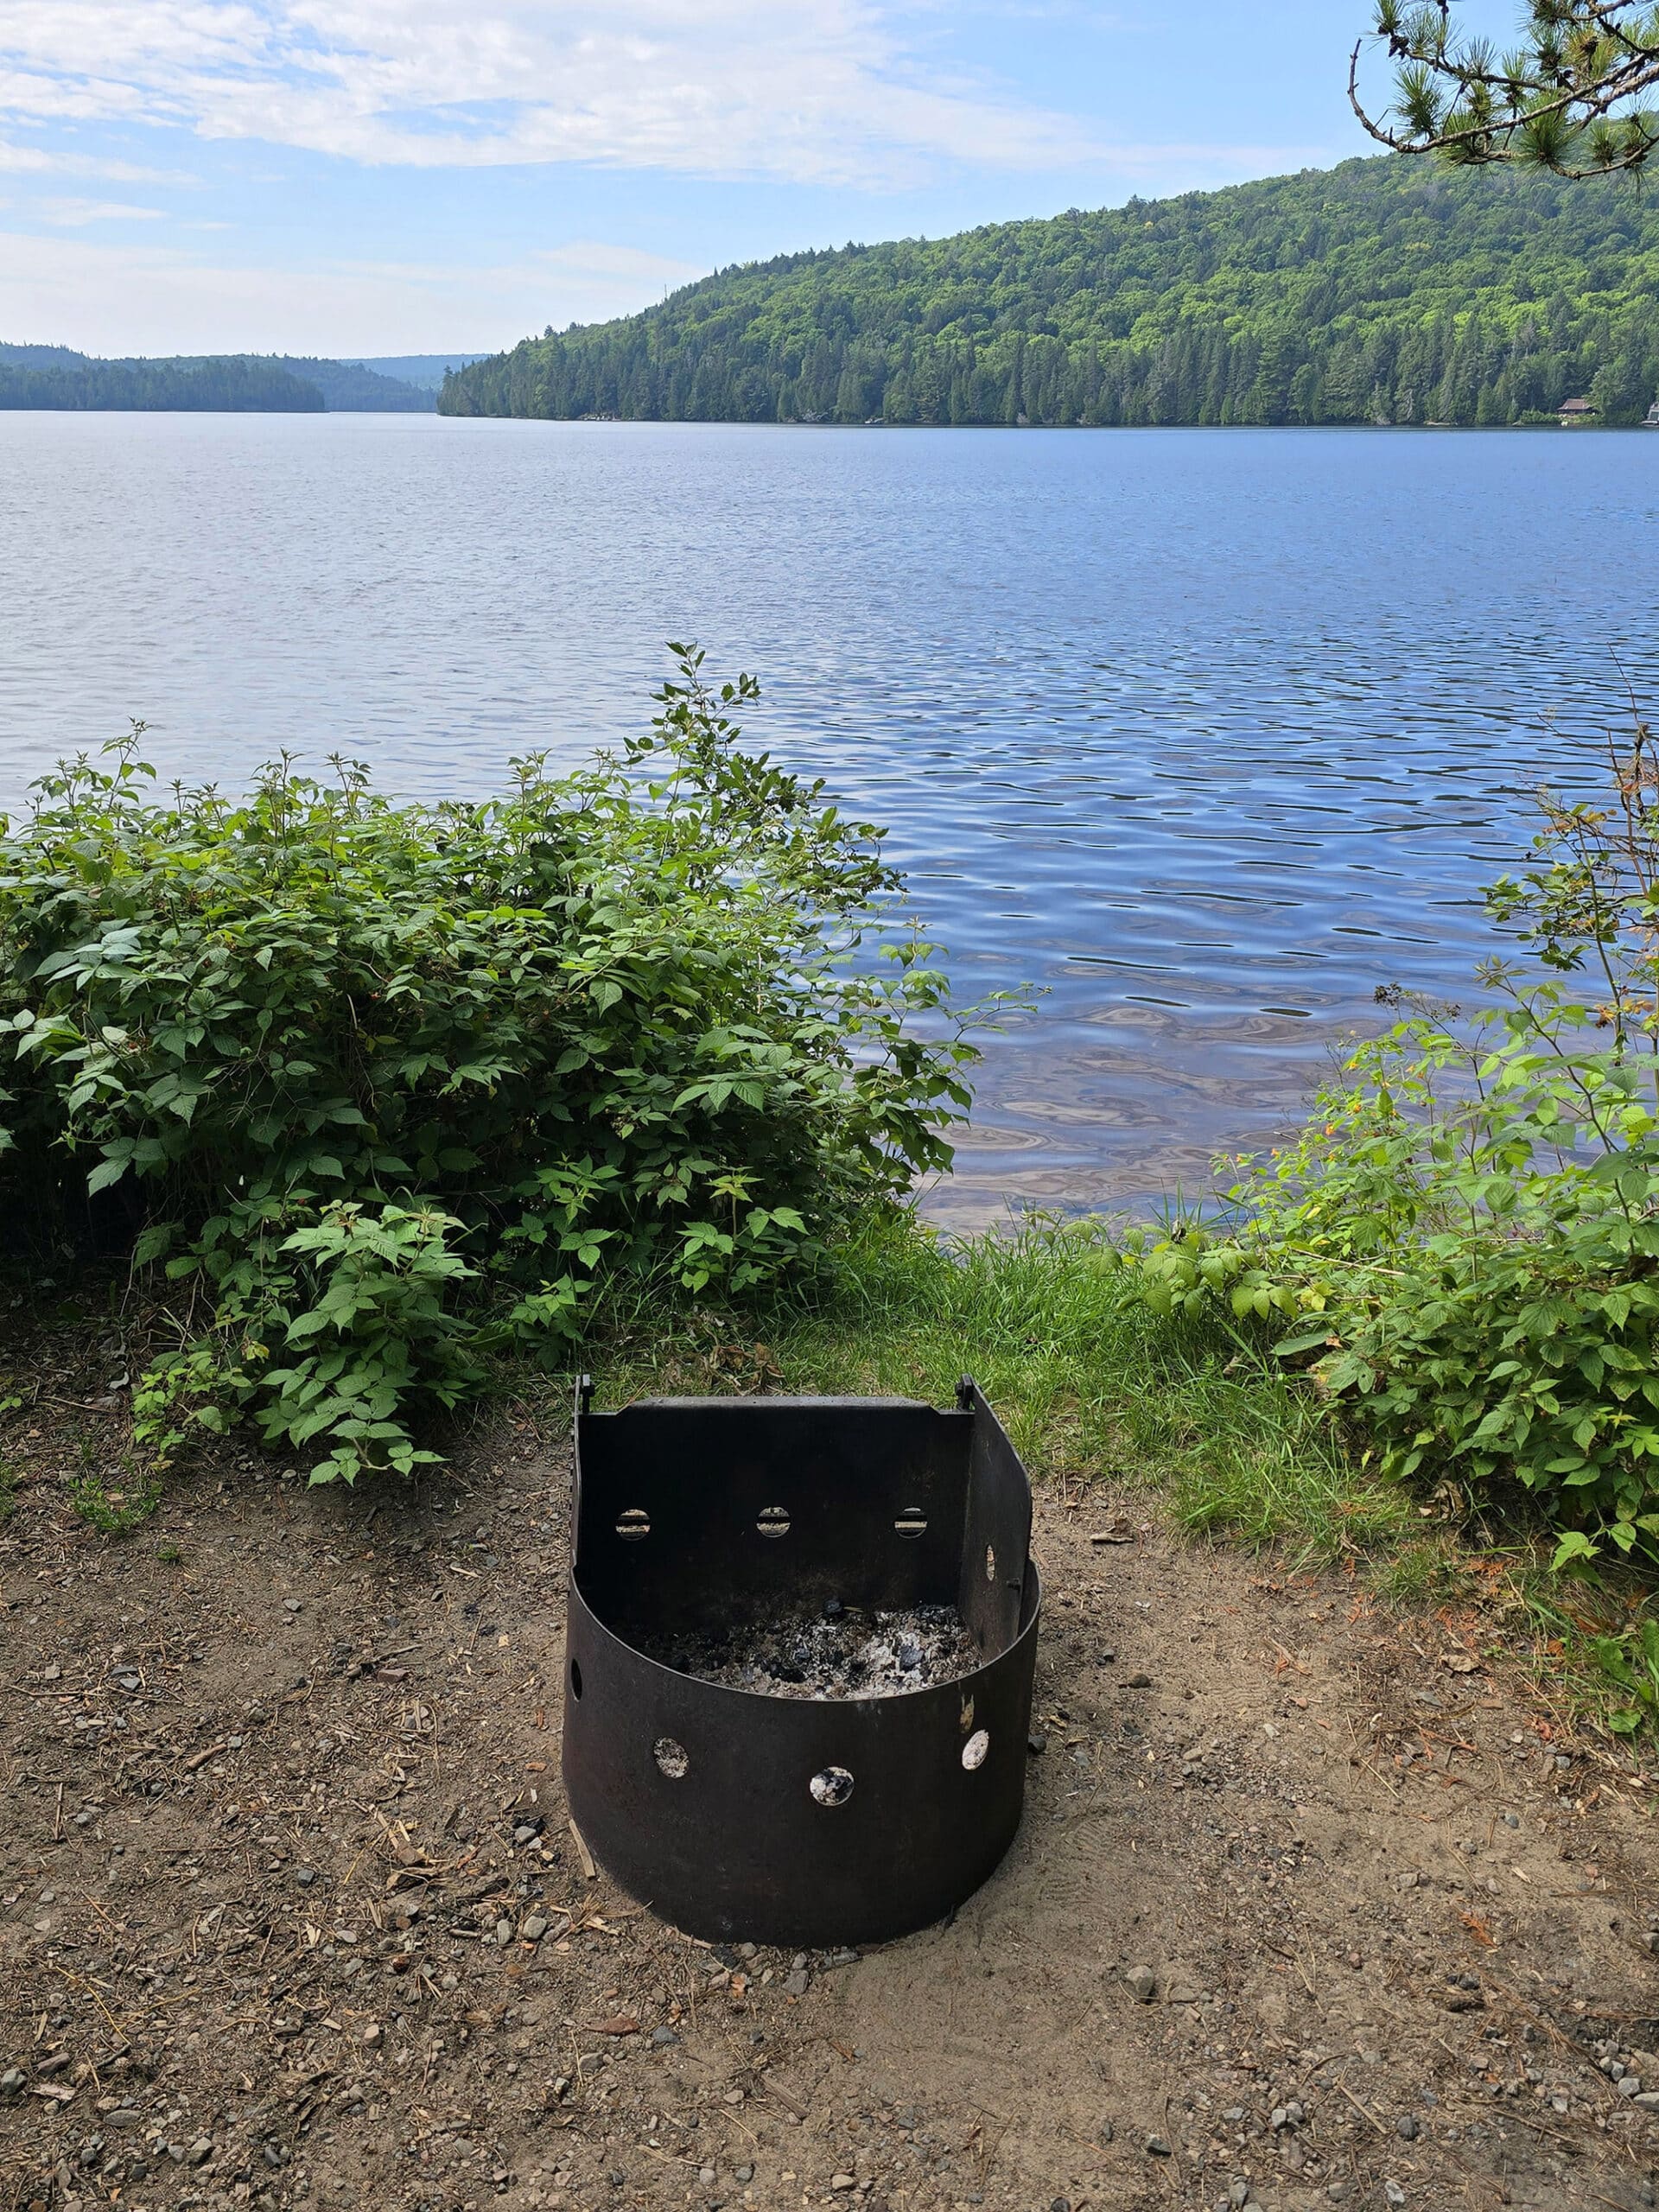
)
(791, 1816)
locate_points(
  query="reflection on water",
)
(1208, 733)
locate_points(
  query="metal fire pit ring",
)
(744, 1817)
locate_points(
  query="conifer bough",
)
(1569, 97)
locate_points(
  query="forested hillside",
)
(216, 387)
(239, 383)
(1383, 290)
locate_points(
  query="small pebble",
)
(1157, 2148)
(663, 2037)
(1408, 2129)
(1138, 1682)
(797, 1984)
(1036, 1742)
(1142, 1984)
(535, 1928)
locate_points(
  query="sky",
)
(349, 177)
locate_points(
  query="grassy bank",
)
(1100, 1394)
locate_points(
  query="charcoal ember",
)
(822, 1655)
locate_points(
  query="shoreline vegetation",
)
(56, 378)
(327, 1119)
(1378, 292)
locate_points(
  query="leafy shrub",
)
(383, 1085)
(1465, 1238)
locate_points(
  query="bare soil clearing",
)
(1309, 1907)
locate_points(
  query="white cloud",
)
(154, 298)
(42, 161)
(75, 214)
(825, 93)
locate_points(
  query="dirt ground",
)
(1310, 1906)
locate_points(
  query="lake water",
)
(1207, 732)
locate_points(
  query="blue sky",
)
(387, 176)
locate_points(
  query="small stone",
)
(1107, 1658)
(523, 1833)
(290, 1605)
(12, 2082)
(1142, 1984)
(122, 2116)
(1036, 1742)
(1648, 2100)
(536, 1927)
(707, 2176)
(742, 2173)
(1280, 2117)
(1393, 2191)
(1061, 2204)
(1138, 1682)
(270, 2152)
(200, 2150)
(1180, 1992)
(503, 1933)
(664, 2038)
(1104, 2131)
(796, 1985)
(1339, 2192)
(842, 1959)
(844, 2181)
(306, 1876)
(1157, 2148)
(1628, 2085)
(374, 2035)
(1408, 2129)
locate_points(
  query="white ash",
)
(840, 1652)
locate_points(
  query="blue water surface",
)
(1207, 732)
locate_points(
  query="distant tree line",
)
(232, 387)
(1379, 291)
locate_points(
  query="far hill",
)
(1385, 290)
(426, 369)
(216, 387)
(57, 377)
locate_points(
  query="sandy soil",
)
(1310, 1906)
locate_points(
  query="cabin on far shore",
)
(1578, 410)
(1650, 420)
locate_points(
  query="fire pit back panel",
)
(796, 1820)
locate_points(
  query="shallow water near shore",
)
(1205, 734)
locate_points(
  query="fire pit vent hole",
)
(967, 1715)
(911, 1522)
(974, 1751)
(671, 1759)
(575, 1680)
(833, 1787)
(773, 1522)
(633, 1524)
(990, 1564)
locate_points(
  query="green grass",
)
(114, 1508)
(1089, 1384)
(1094, 1388)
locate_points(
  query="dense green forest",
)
(217, 387)
(1385, 290)
(237, 383)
